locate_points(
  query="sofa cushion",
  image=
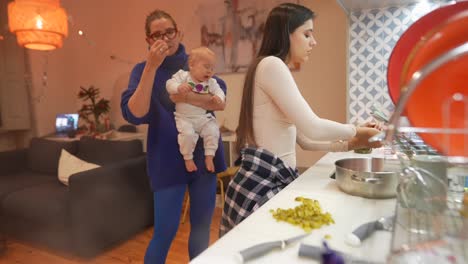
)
(43, 154)
(13, 182)
(41, 205)
(69, 165)
(104, 152)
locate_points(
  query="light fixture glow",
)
(38, 24)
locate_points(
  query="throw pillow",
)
(69, 165)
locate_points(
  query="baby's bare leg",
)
(210, 135)
(190, 165)
(209, 163)
(187, 139)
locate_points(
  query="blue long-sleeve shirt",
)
(166, 166)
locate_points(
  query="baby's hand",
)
(184, 88)
(215, 99)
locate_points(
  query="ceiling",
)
(353, 5)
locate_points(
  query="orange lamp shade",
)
(38, 24)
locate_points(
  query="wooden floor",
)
(132, 251)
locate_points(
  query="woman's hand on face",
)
(157, 53)
(361, 140)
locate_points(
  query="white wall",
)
(116, 27)
(323, 78)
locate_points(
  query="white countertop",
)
(348, 212)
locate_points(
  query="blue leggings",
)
(167, 211)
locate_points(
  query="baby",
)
(193, 121)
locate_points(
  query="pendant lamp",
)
(38, 24)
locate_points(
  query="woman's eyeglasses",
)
(169, 34)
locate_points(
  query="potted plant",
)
(94, 110)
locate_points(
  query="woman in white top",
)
(274, 116)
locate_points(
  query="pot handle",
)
(356, 178)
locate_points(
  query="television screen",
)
(66, 122)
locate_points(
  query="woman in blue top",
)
(146, 101)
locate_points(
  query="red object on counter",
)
(410, 38)
(441, 99)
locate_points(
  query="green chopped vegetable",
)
(308, 215)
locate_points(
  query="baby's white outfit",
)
(193, 121)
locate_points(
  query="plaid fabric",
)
(261, 175)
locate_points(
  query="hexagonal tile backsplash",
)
(372, 35)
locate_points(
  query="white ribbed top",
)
(282, 116)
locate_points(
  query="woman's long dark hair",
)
(283, 20)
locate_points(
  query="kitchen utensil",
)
(316, 253)
(406, 144)
(380, 137)
(263, 248)
(364, 231)
(441, 99)
(435, 164)
(386, 136)
(416, 146)
(408, 40)
(366, 177)
(379, 115)
(420, 189)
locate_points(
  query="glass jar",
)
(420, 189)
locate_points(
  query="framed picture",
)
(233, 29)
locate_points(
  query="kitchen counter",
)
(348, 212)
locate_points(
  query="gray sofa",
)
(100, 207)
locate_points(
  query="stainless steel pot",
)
(366, 177)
